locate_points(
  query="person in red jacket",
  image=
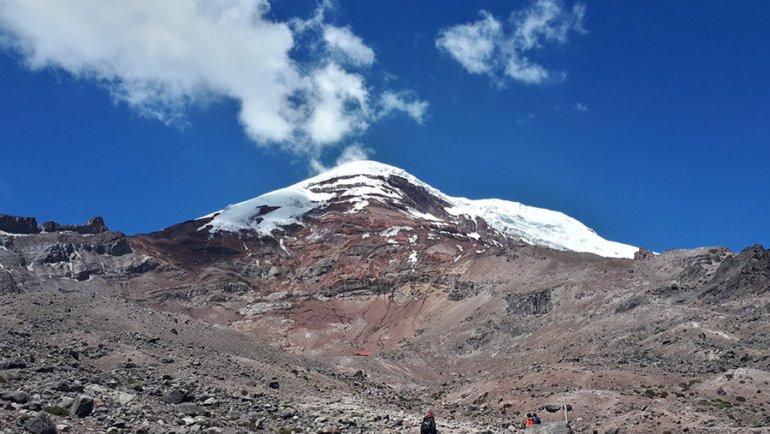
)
(529, 420)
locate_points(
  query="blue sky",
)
(647, 121)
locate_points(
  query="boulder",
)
(66, 402)
(17, 363)
(82, 407)
(16, 396)
(187, 408)
(40, 424)
(175, 396)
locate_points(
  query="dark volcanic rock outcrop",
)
(95, 225)
(18, 225)
(532, 303)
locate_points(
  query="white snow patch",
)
(269, 212)
(8, 234)
(413, 239)
(366, 235)
(474, 235)
(359, 205)
(421, 215)
(392, 232)
(283, 247)
(459, 247)
(540, 226)
(413, 257)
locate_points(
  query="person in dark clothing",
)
(428, 425)
(536, 418)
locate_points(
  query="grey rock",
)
(66, 402)
(40, 424)
(16, 396)
(175, 396)
(553, 408)
(187, 408)
(82, 406)
(17, 363)
(288, 413)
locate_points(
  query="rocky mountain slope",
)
(370, 297)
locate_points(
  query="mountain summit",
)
(355, 186)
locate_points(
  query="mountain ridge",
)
(359, 182)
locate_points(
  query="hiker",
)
(536, 418)
(529, 420)
(428, 425)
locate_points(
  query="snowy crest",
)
(360, 182)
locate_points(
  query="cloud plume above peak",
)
(500, 50)
(162, 57)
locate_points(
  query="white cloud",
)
(405, 102)
(339, 105)
(473, 44)
(162, 57)
(579, 106)
(347, 47)
(354, 152)
(485, 47)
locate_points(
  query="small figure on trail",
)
(428, 425)
(536, 418)
(529, 420)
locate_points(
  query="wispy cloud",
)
(501, 50)
(347, 47)
(579, 106)
(353, 152)
(406, 102)
(163, 57)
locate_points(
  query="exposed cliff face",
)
(29, 258)
(18, 225)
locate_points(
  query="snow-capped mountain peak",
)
(354, 186)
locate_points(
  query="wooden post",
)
(565, 414)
